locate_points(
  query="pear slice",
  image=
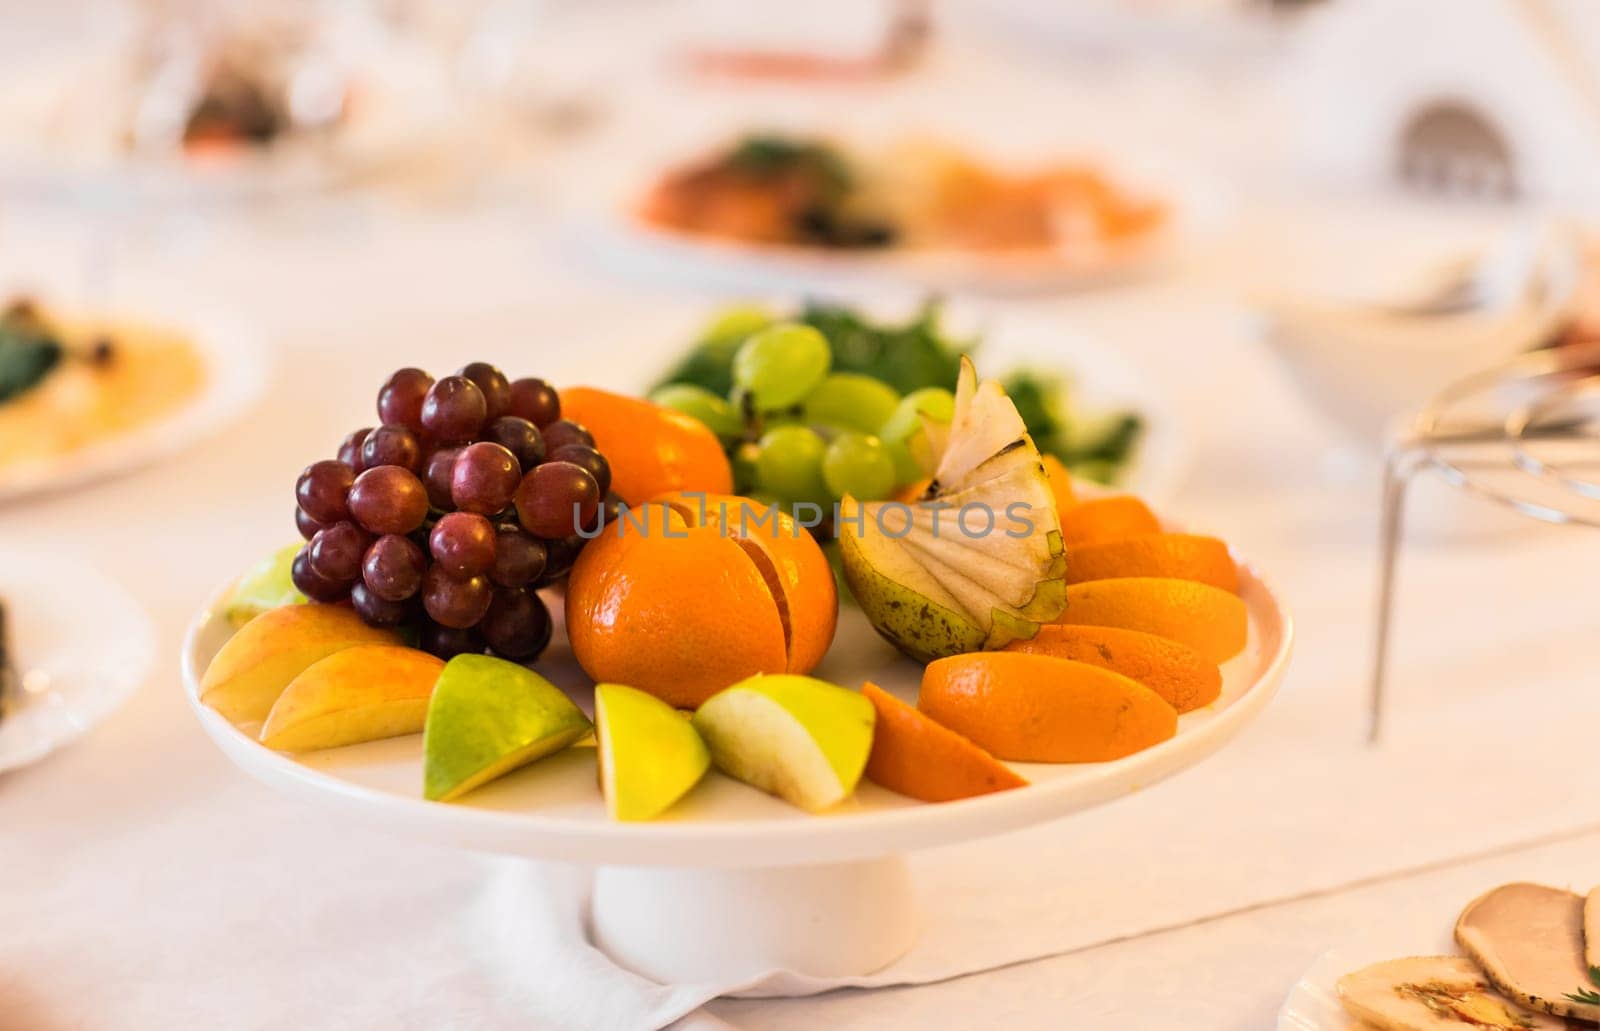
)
(1433, 993)
(957, 571)
(359, 694)
(1003, 574)
(650, 754)
(802, 739)
(905, 604)
(983, 604)
(488, 717)
(999, 573)
(984, 423)
(1529, 941)
(251, 670)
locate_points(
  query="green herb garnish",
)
(1588, 996)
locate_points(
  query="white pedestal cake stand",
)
(733, 883)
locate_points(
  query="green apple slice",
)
(266, 586)
(488, 717)
(650, 754)
(802, 739)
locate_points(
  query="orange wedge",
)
(913, 755)
(1176, 672)
(1207, 619)
(1060, 483)
(1038, 708)
(1181, 556)
(1103, 519)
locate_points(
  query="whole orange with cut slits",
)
(651, 449)
(681, 609)
(798, 572)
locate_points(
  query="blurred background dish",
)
(1313, 1003)
(79, 646)
(207, 101)
(1467, 297)
(789, 205)
(86, 397)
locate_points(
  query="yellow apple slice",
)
(252, 669)
(359, 694)
(650, 754)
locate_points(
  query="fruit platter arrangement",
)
(1529, 960)
(1039, 629)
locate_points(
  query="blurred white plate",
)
(1331, 305)
(1313, 1003)
(56, 139)
(611, 222)
(81, 644)
(236, 371)
(775, 265)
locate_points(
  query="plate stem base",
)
(727, 926)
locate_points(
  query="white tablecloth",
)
(146, 883)
(150, 884)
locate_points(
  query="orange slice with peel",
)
(918, 758)
(1182, 556)
(1176, 672)
(1208, 619)
(1060, 483)
(1038, 708)
(1102, 519)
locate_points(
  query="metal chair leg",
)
(1400, 465)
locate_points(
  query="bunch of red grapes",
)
(449, 516)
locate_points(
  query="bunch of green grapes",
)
(797, 431)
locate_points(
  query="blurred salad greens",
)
(28, 352)
(913, 355)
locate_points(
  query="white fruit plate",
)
(733, 881)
